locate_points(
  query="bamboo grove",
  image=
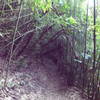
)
(77, 20)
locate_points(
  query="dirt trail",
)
(36, 80)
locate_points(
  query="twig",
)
(17, 38)
(12, 46)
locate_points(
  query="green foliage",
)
(71, 21)
(36, 5)
(69, 15)
(97, 28)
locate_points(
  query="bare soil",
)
(35, 79)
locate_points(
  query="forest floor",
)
(31, 79)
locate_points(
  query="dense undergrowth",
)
(61, 30)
